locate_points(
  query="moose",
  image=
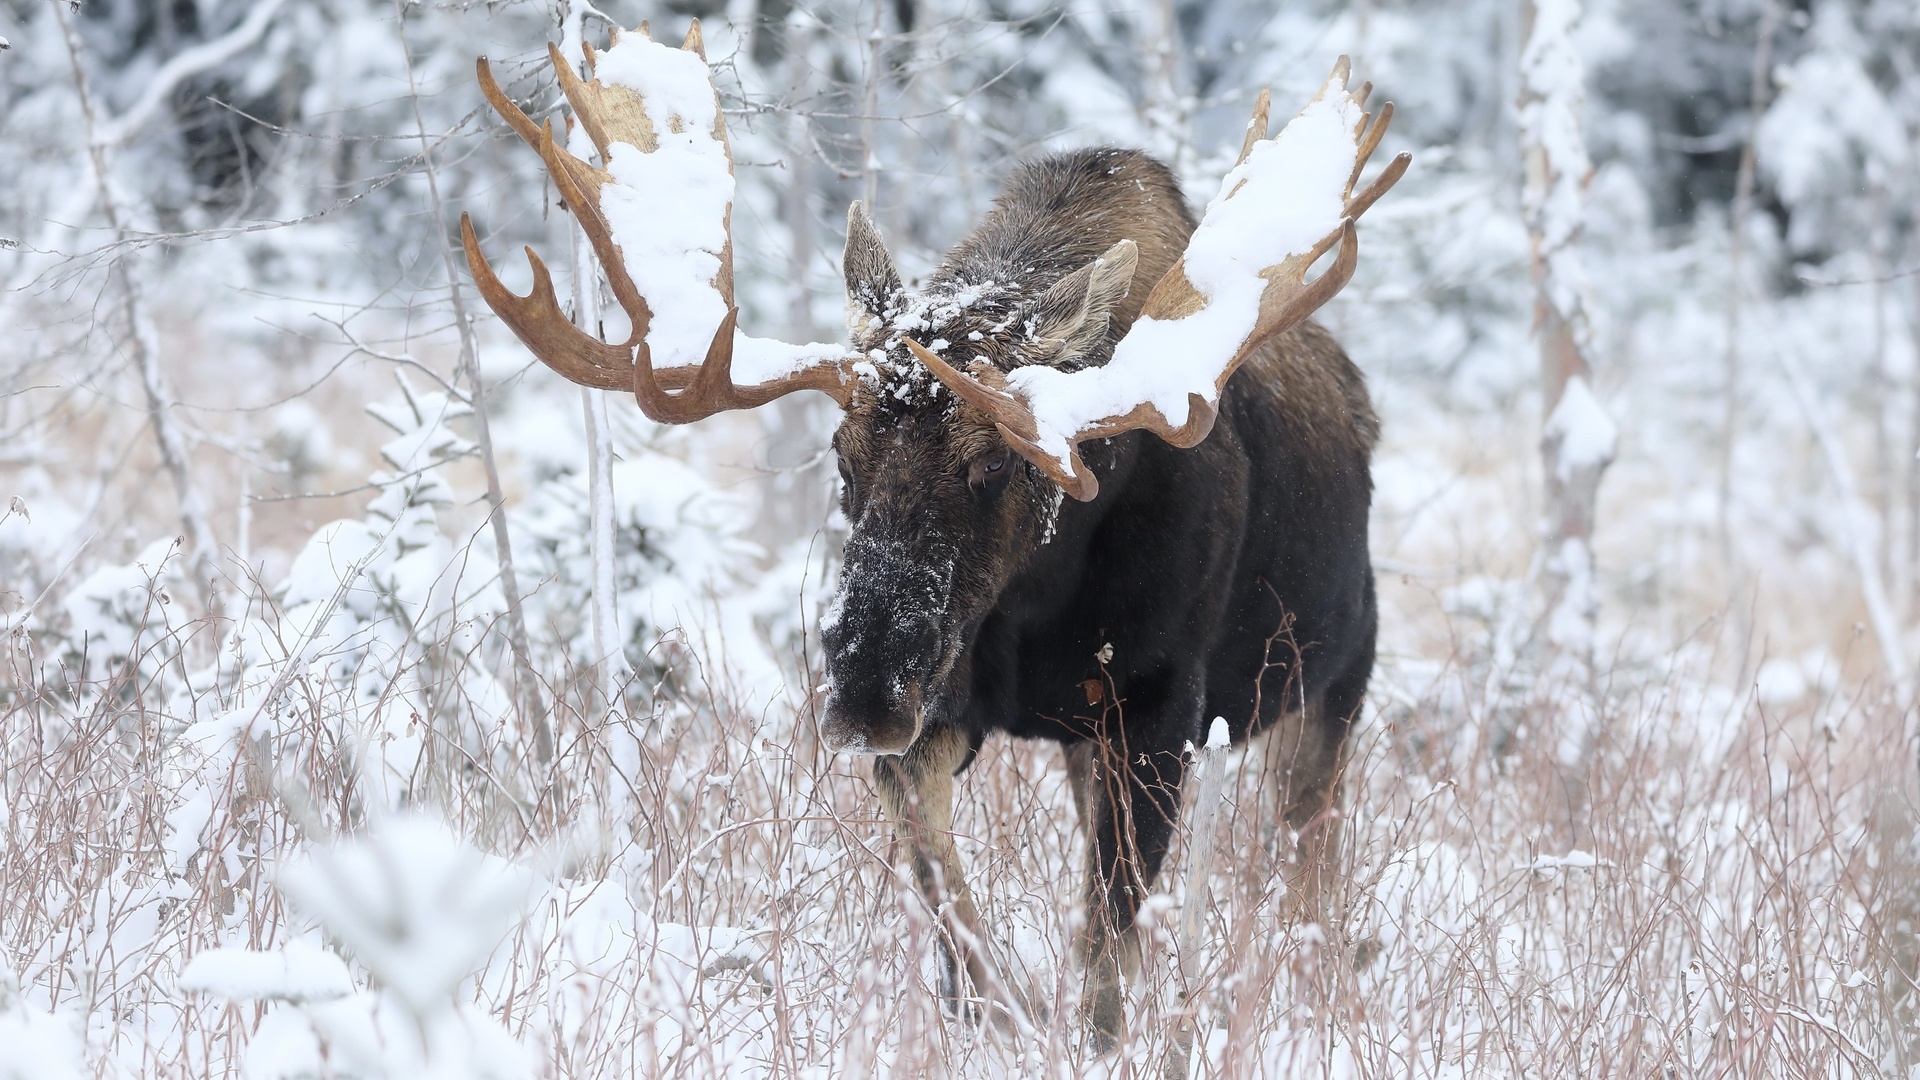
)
(1083, 342)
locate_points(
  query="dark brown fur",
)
(1230, 580)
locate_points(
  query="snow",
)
(414, 904)
(298, 972)
(33, 1045)
(762, 360)
(163, 772)
(1575, 859)
(1585, 436)
(1286, 197)
(673, 82)
(1217, 736)
(1831, 131)
(667, 209)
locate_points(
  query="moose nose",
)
(872, 726)
(879, 656)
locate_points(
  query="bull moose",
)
(1209, 513)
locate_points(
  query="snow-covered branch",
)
(201, 58)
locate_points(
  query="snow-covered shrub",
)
(126, 613)
(677, 545)
(385, 611)
(35, 1046)
(420, 910)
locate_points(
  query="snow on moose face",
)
(942, 516)
(943, 512)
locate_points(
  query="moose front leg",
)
(1129, 798)
(916, 788)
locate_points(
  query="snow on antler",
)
(1283, 200)
(668, 208)
(659, 216)
(1240, 283)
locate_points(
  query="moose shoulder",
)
(1212, 560)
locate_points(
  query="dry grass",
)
(1749, 910)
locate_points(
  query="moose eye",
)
(989, 473)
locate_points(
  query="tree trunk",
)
(1577, 437)
(611, 672)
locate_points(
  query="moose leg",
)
(916, 788)
(1303, 767)
(1129, 799)
(1306, 757)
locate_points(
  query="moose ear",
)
(1070, 319)
(873, 285)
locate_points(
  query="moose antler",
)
(653, 115)
(1241, 283)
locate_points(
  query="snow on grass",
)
(33, 1045)
(416, 906)
(720, 899)
(703, 891)
(299, 972)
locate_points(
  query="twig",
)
(1736, 248)
(1896, 275)
(355, 345)
(18, 619)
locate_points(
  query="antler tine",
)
(537, 321)
(1370, 141)
(1388, 177)
(1374, 129)
(504, 105)
(1256, 127)
(709, 390)
(579, 186)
